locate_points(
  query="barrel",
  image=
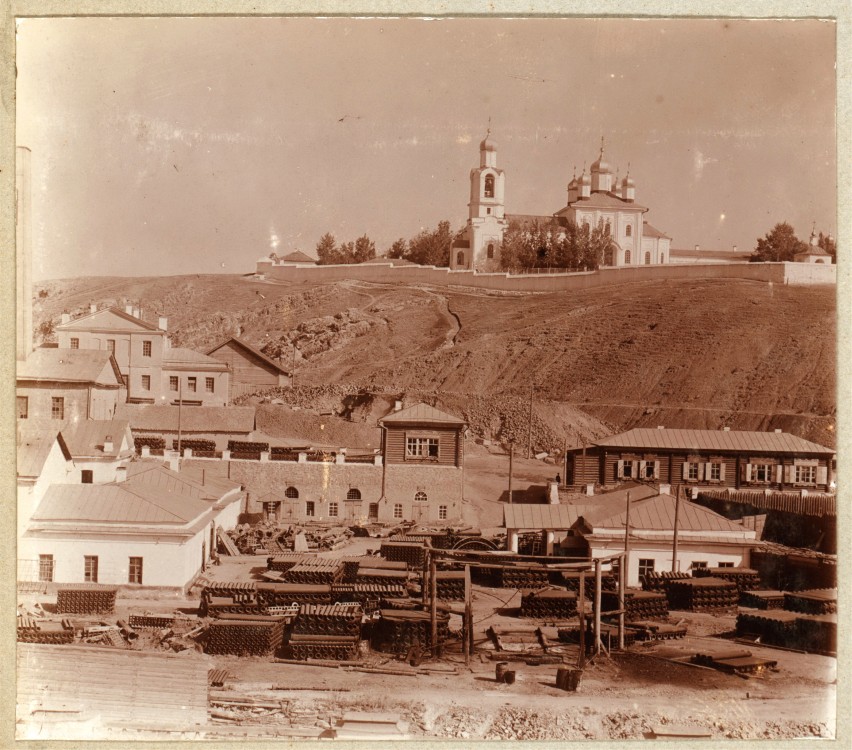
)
(568, 679)
(509, 676)
(500, 670)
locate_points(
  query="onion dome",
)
(600, 166)
(488, 143)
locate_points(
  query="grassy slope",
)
(679, 353)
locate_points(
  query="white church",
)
(592, 198)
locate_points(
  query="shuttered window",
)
(806, 474)
(692, 471)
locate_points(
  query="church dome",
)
(585, 179)
(628, 181)
(573, 184)
(488, 144)
(601, 166)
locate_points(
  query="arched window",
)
(489, 186)
(647, 259)
(628, 231)
(586, 225)
(490, 250)
(421, 497)
(291, 492)
(607, 228)
(459, 258)
(626, 257)
(353, 494)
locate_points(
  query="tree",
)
(398, 249)
(327, 252)
(365, 249)
(549, 244)
(781, 244)
(431, 247)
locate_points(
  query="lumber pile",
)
(746, 579)
(245, 635)
(86, 599)
(638, 605)
(762, 599)
(30, 630)
(702, 595)
(812, 602)
(549, 603)
(398, 631)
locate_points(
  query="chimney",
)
(93, 308)
(665, 489)
(120, 473)
(661, 427)
(697, 248)
(128, 309)
(735, 248)
(397, 405)
(66, 318)
(726, 429)
(173, 460)
(163, 323)
(778, 432)
(108, 445)
(137, 313)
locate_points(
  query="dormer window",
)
(489, 186)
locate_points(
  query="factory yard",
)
(639, 692)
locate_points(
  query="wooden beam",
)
(433, 578)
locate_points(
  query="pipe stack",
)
(639, 605)
(243, 635)
(745, 578)
(413, 553)
(31, 630)
(86, 599)
(703, 595)
(317, 572)
(660, 581)
(549, 603)
(813, 602)
(399, 630)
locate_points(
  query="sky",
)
(168, 146)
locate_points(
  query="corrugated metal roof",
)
(193, 418)
(191, 481)
(249, 348)
(71, 365)
(712, 440)
(51, 677)
(618, 536)
(87, 438)
(110, 317)
(658, 513)
(421, 413)
(118, 503)
(32, 450)
(181, 355)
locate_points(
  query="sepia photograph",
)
(426, 378)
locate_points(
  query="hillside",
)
(697, 353)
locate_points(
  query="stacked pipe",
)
(745, 578)
(638, 605)
(31, 630)
(351, 565)
(645, 630)
(813, 602)
(702, 595)
(318, 572)
(520, 576)
(227, 596)
(571, 580)
(285, 561)
(817, 633)
(609, 635)
(399, 630)
(413, 553)
(549, 603)
(382, 577)
(762, 599)
(369, 595)
(660, 581)
(450, 585)
(157, 622)
(328, 619)
(776, 627)
(281, 594)
(86, 599)
(245, 635)
(436, 540)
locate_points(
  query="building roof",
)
(734, 257)
(712, 440)
(180, 355)
(461, 243)
(124, 502)
(600, 199)
(111, 318)
(191, 481)
(657, 514)
(651, 231)
(193, 418)
(70, 366)
(33, 448)
(239, 343)
(421, 413)
(523, 219)
(87, 438)
(297, 256)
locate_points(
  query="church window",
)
(662, 257)
(647, 259)
(460, 258)
(626, 257)
(489, 186)
(490, 251)
(607, 228)
(489, 211)
(628, 231)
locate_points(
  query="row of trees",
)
(329, 252)
(554, 245)
(782, 244)
(430, 247)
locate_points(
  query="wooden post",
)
(433, 574)
(511, 456)
(468, 618)
(622, 585)
(598, 584)
(529, 430)
(674, 538)
(581, 609)
(425, 586)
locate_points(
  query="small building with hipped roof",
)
(250, 370)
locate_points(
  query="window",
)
(373, 511)
(270, 510)
(489, 186)
(146, 382)
(134, 570)
(23, 404)
(57, 407)
(662, 257)
(698, 564)
(45, 568)
(397, 510)
(692, 471)
(490, 251)
(459, 258)
(292, 493)
(442, 512)
(421, 447)
(725, 565)
(146, 348)
(310, 508)
(87, 476)
(626, 257)
(332, 510)
(353, 494)
(650, 471)
(648, 259)
(646, 567)
(805, 474)
(191, 384)
(420, 497)
(607, 228)
(488, 211)
(628, 230)
(173, 383)
(111, 346)
(90, 568)
(715, 472)
(761, 472)
(209, 385)
(75, 343)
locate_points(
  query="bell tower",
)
(486, 209)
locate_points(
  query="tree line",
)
(782, 244)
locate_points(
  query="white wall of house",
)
(228, 516)
(56, 470)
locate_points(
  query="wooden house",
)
(251, 370)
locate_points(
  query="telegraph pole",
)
(511, 455)
(293, 368)
(529, 430)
